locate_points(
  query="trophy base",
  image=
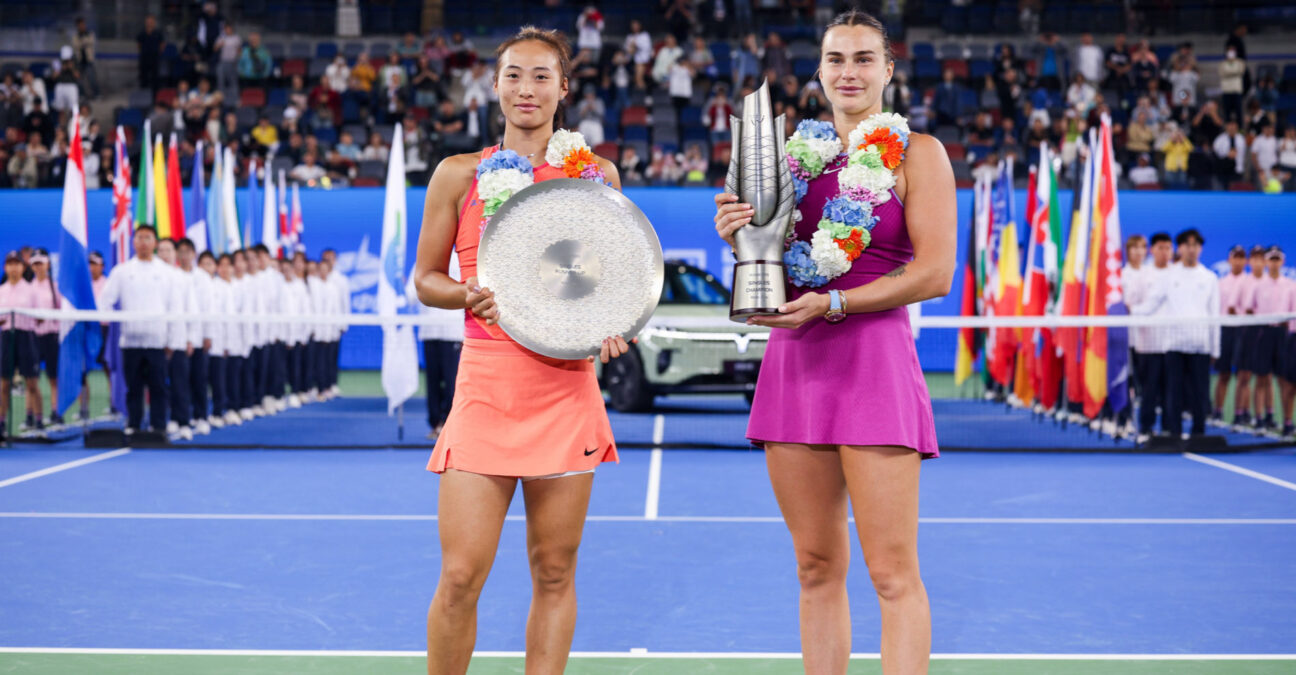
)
(759, 289)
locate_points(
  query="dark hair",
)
(148, 227)
(224, 257)
(261, 248)
(858, 17)
(206, 254)
(555, 40)
(1160, 237)
(185, 242)
(167, 240)
(1187, 235)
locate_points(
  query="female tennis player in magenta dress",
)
(517, 416)
(841, 407)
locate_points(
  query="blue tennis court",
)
(306, 553)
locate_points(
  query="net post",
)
(13, 356)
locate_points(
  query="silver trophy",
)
(759, 175)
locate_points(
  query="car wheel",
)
(626, 384)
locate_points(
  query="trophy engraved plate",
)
(759, 175)
(571, 262)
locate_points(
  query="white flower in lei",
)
(561, 144)
(828, 256)
(873, 123)
(873, 180)
(502, 182)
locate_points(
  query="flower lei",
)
(504, 173)
(876, 148)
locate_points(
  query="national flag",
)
(400, 358)
(1070, 340)
(216, 206)
(229, 210)
(175, 192)
(1006, 274)
(295, 224)
(285, 244)
(162, 201)
(1103, 288)
(1047, 228)
(144, 201)
(119, 232)
(967, 337)
(253, 206)
(270, 214)
(74, 285)
(197, 230)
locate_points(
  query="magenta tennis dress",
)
(857, 382)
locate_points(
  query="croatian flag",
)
(74, 275)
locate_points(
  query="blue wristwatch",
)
(836, 307)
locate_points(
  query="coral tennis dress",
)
(515, 412)
(857, 382)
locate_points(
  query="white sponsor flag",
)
(270, 214)
(400, 371)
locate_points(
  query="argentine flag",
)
(74, 275)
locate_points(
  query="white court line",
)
(395, 517)
(64, 466)
(1239, 470)
(654, 469)
(644, 654)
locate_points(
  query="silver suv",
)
(689, 346)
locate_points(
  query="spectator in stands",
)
(462, 53)
(478, 83)
(255, 64)
(295, 148)
(230, 132)
(325, 105)
(1005, 60)
(667, 55)
(1266, 95)
(208, 32)
(193, 64)
(1183, 88)
(451, 126)
(393, 78)
(694, 165)
(638, 47)
(715, 116)
(1255, 118)
(1089, 60)
(11, 112)
(362, 76)
(680, 17)
(308, 172)
(376, 151)
(415, 142)
(664, 169)
(338, 73)
(1119, 63)
(1207, 124)
(589, 32)
(981, 138)
(1237, 41)
(1264, 150)
(988, 97)
(409, 48)
(83, 46)
(426, 84)
(813, 101)
(1287, 154)
(1231, 71)
(150, 43)
(617, 78)
(33, 94)
(776, 57)
(346, 147)
(1051, 61)
(266, 136)
(1144, 66)
(162, 121)
(67, 86)
(22, 168)
(92, 140)
(6, 181)
(1231, 153)
(228, 48)
(1140, 135)
(1144, 173)
(437, 53)
(1010, 93)
(631, 166)
(948, 101)
(702, 60)
(747, 62)
(680, 86)
(589, 115)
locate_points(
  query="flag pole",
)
(400, 422)
(13, 358)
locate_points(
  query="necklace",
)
(873, 151)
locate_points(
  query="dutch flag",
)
(74, 275)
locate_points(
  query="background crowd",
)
(658, 101)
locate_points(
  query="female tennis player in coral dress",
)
(517, 416)
(841, 406)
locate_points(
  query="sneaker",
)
(216, 422)
(1142, 439)
(1109, 428)
(267, 403)
(258, 411)
(337, 391)
(173, 427)
(56, 419)
(233, 418)
(1129, 430)
(1288, 429)
(294, 401)
(182, 433)
(129, 431)
(246, 415)
(202, 427)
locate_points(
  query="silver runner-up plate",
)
(571, 262)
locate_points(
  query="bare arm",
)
(432, 282)
(932, 221)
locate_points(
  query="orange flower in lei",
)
(888, 145)
(852, 245)
(576, 162)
